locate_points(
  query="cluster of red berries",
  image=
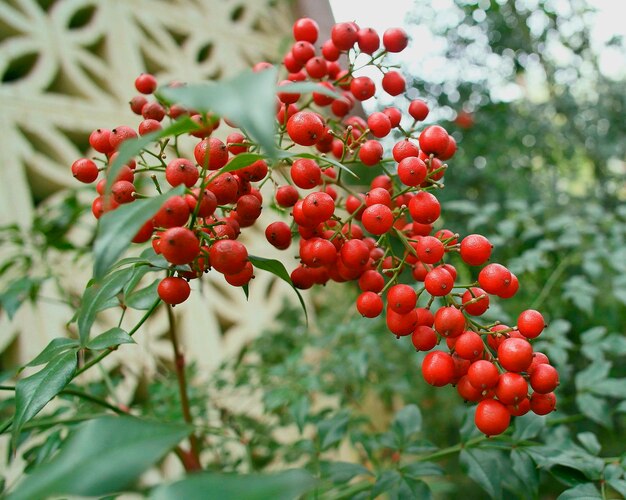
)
(344, 234)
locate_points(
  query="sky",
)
(609, 21)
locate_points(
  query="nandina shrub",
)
(292, 133)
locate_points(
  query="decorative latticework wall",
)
(68, 67)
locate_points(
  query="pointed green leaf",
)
(96, 297)
(144, 298)
(111, 338)
(482, 467)
(342, 472)
(286, 485)
(528, 427)
(33, 393)
(53, 349)
(419, 469)
(247, 100)
(117, 228)
(277, 268)
(526, 471)
(307, 87)
(104, 456)
(241, 160)
(407, 421)
(585, 491)
(590, 441)
(16, 293)
(595, 408)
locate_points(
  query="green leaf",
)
(16, 293)
(33, 393)
(52, 350)
(286, 485)
(585, 491)
(618, 485)
(307, 87)
(525, 469)
(299, 411)
(277, 268)
(144, 298)
(590, 442)
(117, 228)
(111, 338)
(333, 430)
(96, 297)
(104, 456)
(388, 481)
(132, 147)
(407, 421)
(593, 335)
(241, 160)
(590, 376)
(528, 426)
(412, 488)
(482, 467)
(611, 387)
(342, 472)
(247, 100)
(595, 408)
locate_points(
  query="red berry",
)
(287, 196)
(438, 282)
(179, 245)
(429, 249)
(362, 88)
(544, 378)
(542, 404)
(483, 374)
(330, 51)
(424, 208)
(530, 323)
(305, 173)
(181, 171)
(174, 212)
(424, 338)
(371, 152)
(368, 40)
(395, 39)
(228, 256)
(369, 304)
(469, 345)
(404, 149)
(512, 388)
(401, 324)
(492, 417)
(122, 192)
(475, 249)
(344, 35)
(418, 110)
(241, 278)
(494, 278)
(401, 298)
(515, 354)
(393, 83)
(412, 171)
(99, 140)
(379, 124)
(449, 321)
(377, 219)
(475, 301)
(305, 29)
(173, 290)
(305, 128)
(434, 140)
(302, 51)
(85, 170)
(279, 235)
(438, 368)
(146, 83)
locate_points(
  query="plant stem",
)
(179, 364)
(451, 449)
(93, 399)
